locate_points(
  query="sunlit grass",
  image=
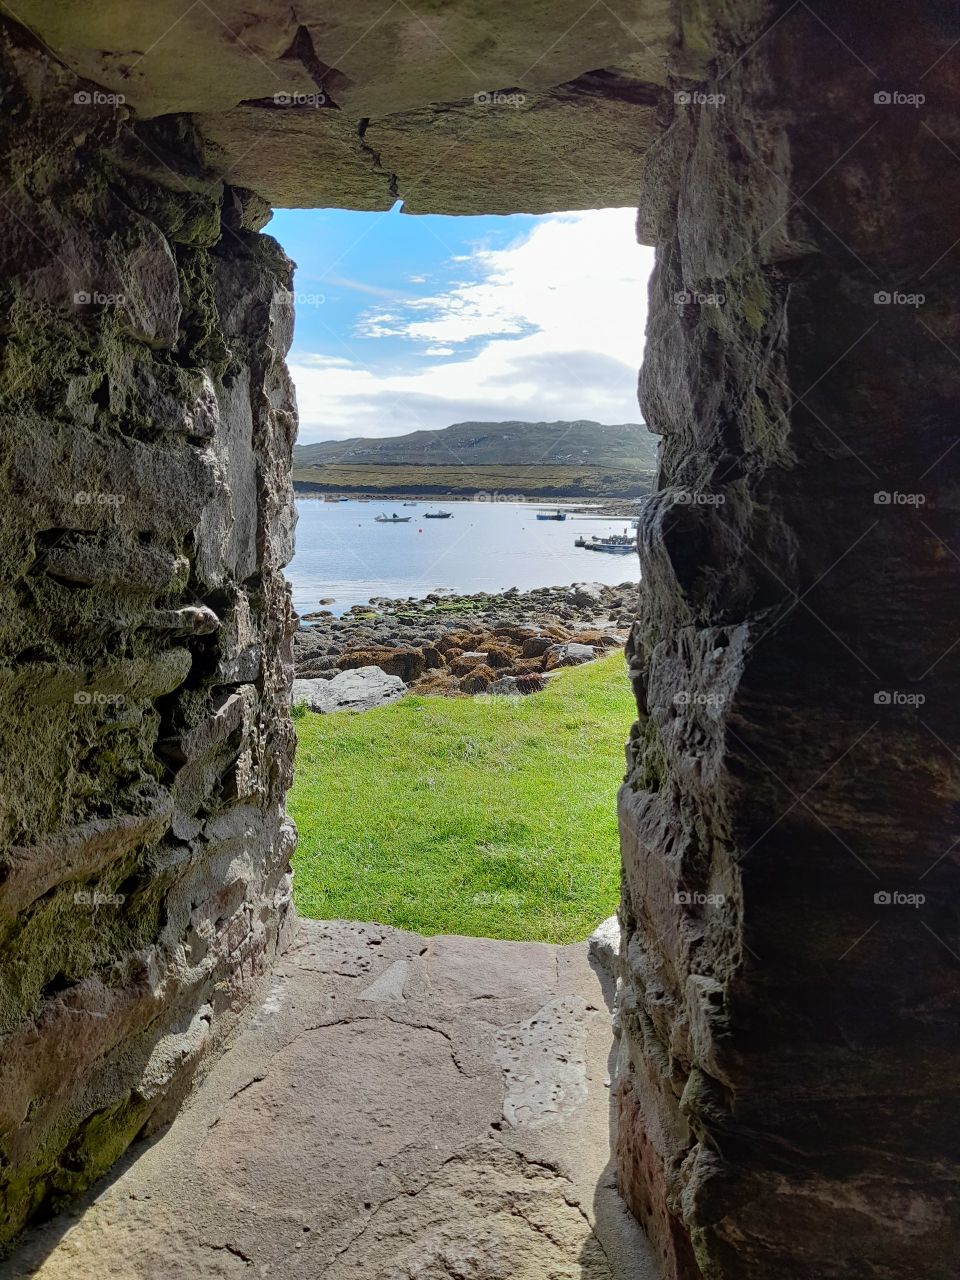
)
(488, 816)
(542, 479)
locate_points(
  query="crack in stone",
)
(236, 1094)
(397, 1022)
(426, 1026)
(393, 185)
(465, 1158)
(227, 1248)
(303, 49)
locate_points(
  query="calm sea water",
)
(344, 554)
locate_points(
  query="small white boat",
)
(551, 515)
(617, 544)
(394, 519)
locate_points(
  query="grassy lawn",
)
(542, 479)
(487, 816)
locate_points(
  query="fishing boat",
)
(409, 504)
(437, 515)
(617, 544)
(551, 515)
(394, 519)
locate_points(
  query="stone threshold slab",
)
(395, 1107)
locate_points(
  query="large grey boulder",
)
(357, 690)
(531, 682)
(568, 655)
(506, 686)
(586, 594)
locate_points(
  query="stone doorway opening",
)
(406, 326)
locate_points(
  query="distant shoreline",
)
(450, 483)
(604, 506)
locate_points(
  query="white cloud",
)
(324, 361)
(556, 322)
(360, 286)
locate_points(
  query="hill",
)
(622, 447)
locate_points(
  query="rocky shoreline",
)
(455, 645)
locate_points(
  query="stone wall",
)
(789, 993)
(145, 746)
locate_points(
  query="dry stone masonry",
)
(790, 971)
(789, 963)
(146, 433)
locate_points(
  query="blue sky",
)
(406, 322)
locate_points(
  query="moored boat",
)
(437, 515)
(551, 515)
(394, 519)
(618, 544)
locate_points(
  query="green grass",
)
(543, 480)
(486, 816)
